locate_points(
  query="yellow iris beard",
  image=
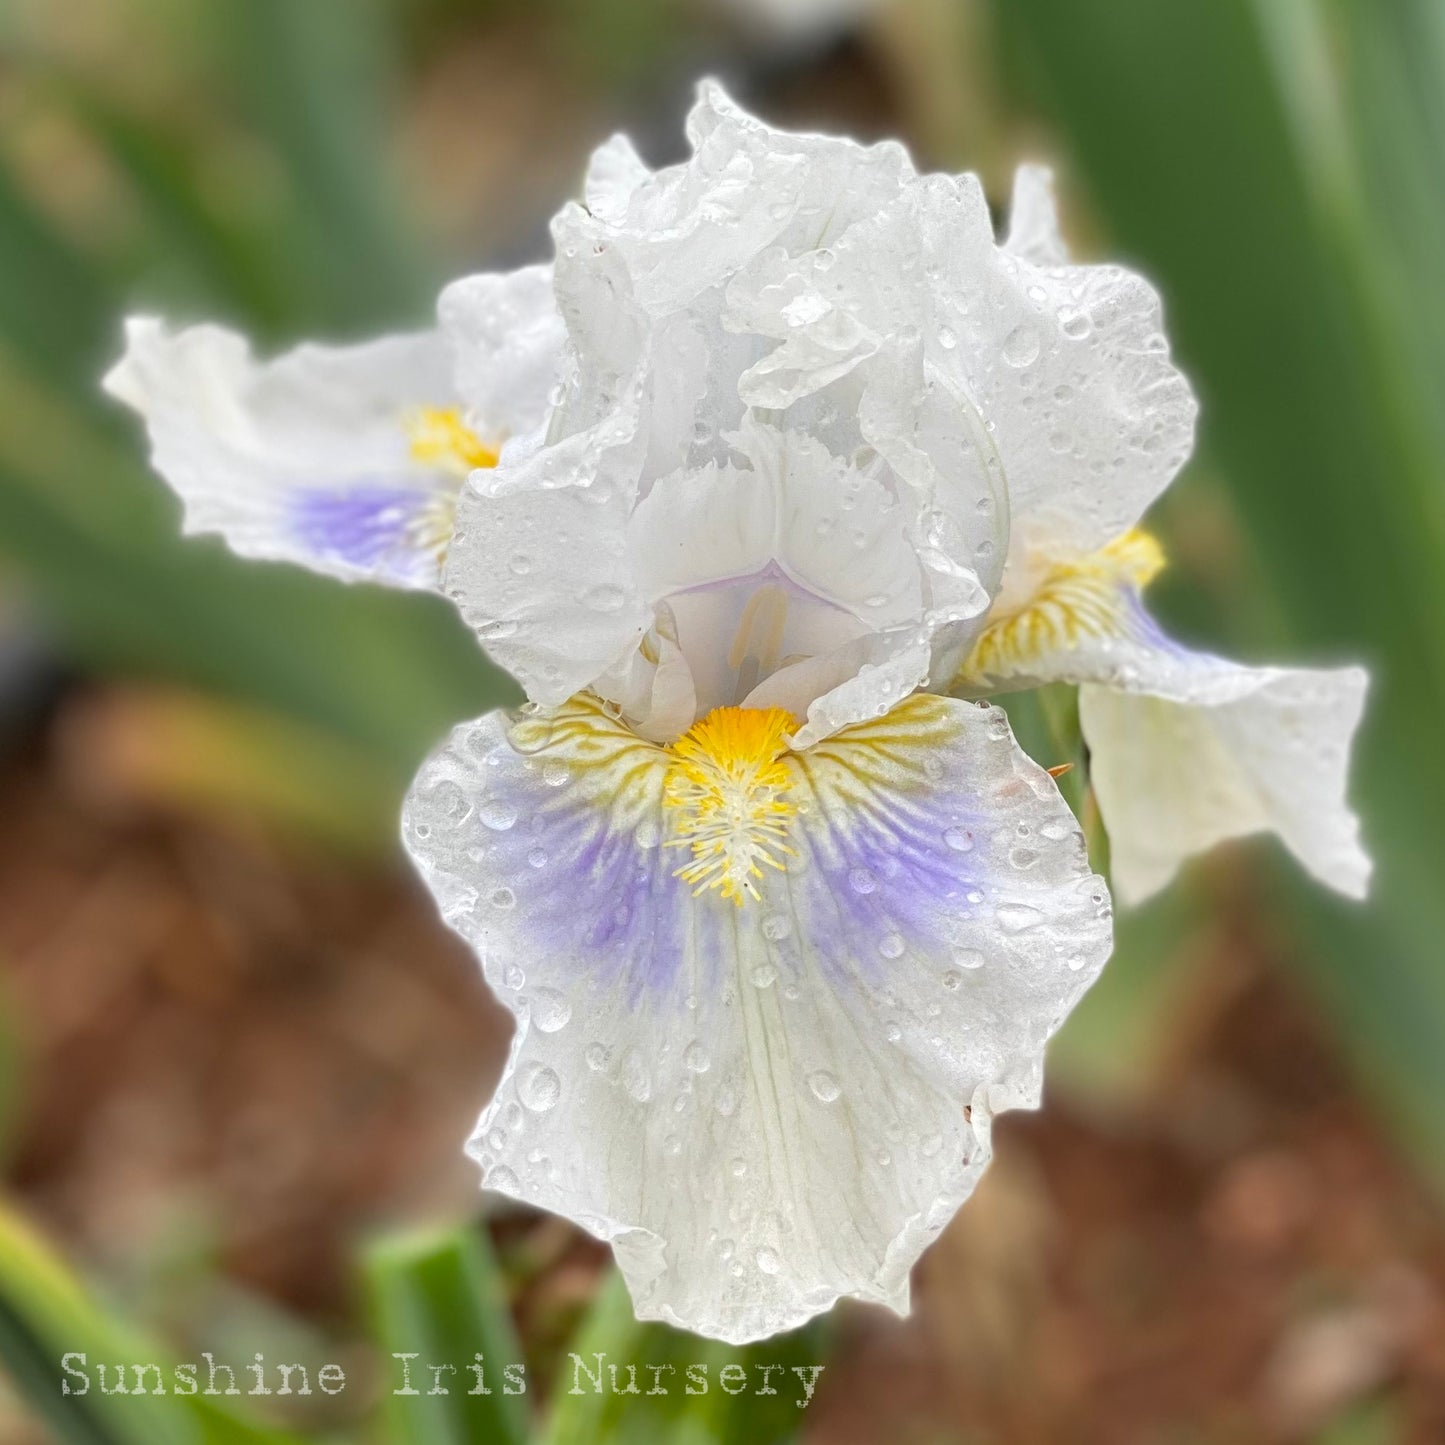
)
(1082, 597)
(728, 782)
(439, 437)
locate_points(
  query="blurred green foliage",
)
(1271, 164)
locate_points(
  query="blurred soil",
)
(231, 1038)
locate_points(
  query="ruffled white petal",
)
(303, 459)
(1033, 231)
(769, 1106)
(614, 172)
(1207, 751)
(506, 338)
(775, 271)
(1091, 418)
(548, 582)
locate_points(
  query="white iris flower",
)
(729, 490)
(783, 928)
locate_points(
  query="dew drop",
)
(968, 958)
(891, 945)
(605, 598)
(824, 1086)
(694, 1058)
(776, 927)
(635, 1078)
(1022, 858)
(550, 1010)
(1021, 346)
(860, 880)
(504, 898)
(1018, 917)
(768, 1261)
(497, 814)
(539, 1088)
(959, 839)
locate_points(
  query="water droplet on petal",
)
(694, 1057)
(1018, 917)
(550, 1010)
(1021, 346)
(891, 945)
(504, 1180)
(776, 927)
(635, 1078)
(497, 814)
(604, 598)
(824, 1086)
(539, 1088)
(959, 839)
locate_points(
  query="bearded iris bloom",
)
(783, 923)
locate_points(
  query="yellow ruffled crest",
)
(728, 784)
(1078, 598)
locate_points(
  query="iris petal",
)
(763, 1104)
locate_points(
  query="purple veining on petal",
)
(589, 887)
(890, 870)
(393, 527)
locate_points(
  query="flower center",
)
(1081, 597)
(438, 437)
(728, 784)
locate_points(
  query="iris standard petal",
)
(767, 1002)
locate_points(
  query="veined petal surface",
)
(1237, 750)
(769, 1103)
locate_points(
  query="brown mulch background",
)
(268, 1052)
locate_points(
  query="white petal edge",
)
(1250, 749)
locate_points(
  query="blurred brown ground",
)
(268, 1051)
